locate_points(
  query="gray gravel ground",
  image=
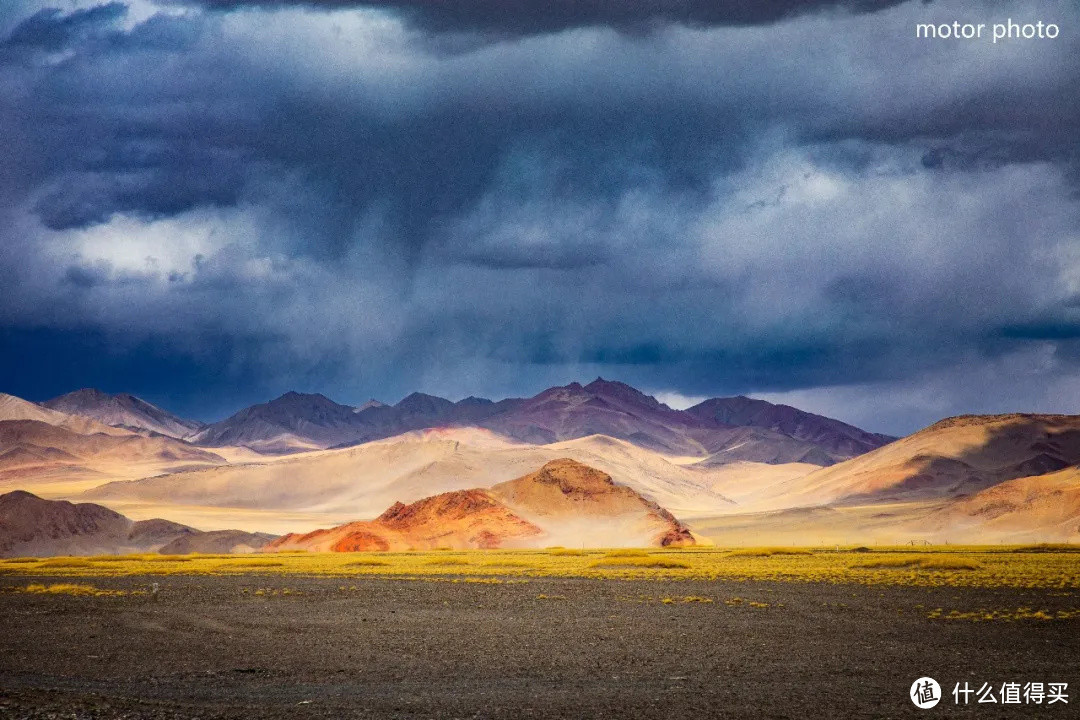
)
(600, 649)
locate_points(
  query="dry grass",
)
(271, 592)
(65, 563)
(954, 566)
(68, 589)
(917, 563)
(508, 564)
(770, 551)
(1047, 548)
(1023, 613)
(564, 552)
(618, 560)
(251, 564)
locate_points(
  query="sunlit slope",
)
(1038, 508)
(13, 408)
(954, 457)
(123, 411)
(55, 461)
(563, 502)
(576, 504)
(974, 479)
(758, 486)
(366, 479)
(460, 519)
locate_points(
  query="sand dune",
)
(758, 486)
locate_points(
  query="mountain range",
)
(123, 411)
(40, 445)
(731, 470)
(722, 429)
(30, 525)
(975, 479)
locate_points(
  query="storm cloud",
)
(796, 199)
(530, 17)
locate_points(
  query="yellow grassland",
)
(958, 566)
(72, 589)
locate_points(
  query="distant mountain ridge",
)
(37, 441)
(969, 478)
(722, 430)
(16, 409)
(835, 436)
(719, 430)
(122, 411)
(294, 421)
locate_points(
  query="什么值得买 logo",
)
(925, 693)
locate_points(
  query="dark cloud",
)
(528, 17)
(752, 197)
(79, 201)
(1044, 330)
(86, 276)
(52, 29)
(110, 361)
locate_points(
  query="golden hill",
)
(365, 479)
(564, 501)
(954, 457)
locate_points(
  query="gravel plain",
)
(271, 646)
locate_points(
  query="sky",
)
(211, 202)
